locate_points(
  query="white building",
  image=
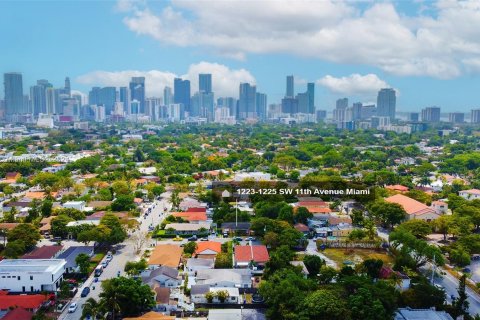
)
(31, 275)
(233, 295)
(79, 205)
(470, 194)
(257, 176)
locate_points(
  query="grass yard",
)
(356, 255)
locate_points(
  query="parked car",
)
(203, 239)
(85, 292)
(109, 257)
(256, 298)
(72, 308)
(177, 239)
(73, 291)
(250, 239)
(466, 270)
(237, 239)
(193, 238)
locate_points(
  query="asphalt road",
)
(448, 282)
(124, 252)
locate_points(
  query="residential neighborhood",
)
(191, 244)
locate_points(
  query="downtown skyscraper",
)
(386, 103)
(181, 92)
(290, 87)
(14, 100)
(38, 96)
(205, 82)
(247, 101)
(137, 92)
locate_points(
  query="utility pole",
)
(236, 212)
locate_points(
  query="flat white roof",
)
(31, 265)
(74, 203)
(80, 222)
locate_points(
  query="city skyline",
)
(114, 47)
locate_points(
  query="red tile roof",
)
(318, 210)
(257, 253)
(8, 225)
(397, 187)
(191, 216)
(313, 204)
(411, 206)
(196, 209)
(208, 245)
(33, 301)
(18, 314)
(45, 252)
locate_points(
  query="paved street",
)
(125, 252)
(448, 282)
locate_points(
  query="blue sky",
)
(349, 49)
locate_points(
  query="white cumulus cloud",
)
(354, 84)
(438, 45)
(225, 81)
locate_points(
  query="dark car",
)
(85, 292)
(194, 238)
(256, 298)
(467, 270)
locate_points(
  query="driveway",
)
(312, 250)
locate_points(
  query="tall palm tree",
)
(109, 298)
(90, 308)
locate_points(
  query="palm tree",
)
(108, 298)
(175, 199)
(90, 308)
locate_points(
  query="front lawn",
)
(356, 256)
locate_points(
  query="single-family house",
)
(236, 228)
(44, 252)
(233, 295)
(163, 301)
(18, 314)
(414, 208)
(12, 177)
(302, 228)
(397, 187)
(78, 205)
(31, 302)
(70, 254)
(238, 278)
(162, 276)
(440, 207)
(244, 255)
(188, 228)
(8, 225)
(165, 255)
(193, 265)
(46, 225)
(152, 315)
(470, 194)
(208, 249)
(192, 217)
